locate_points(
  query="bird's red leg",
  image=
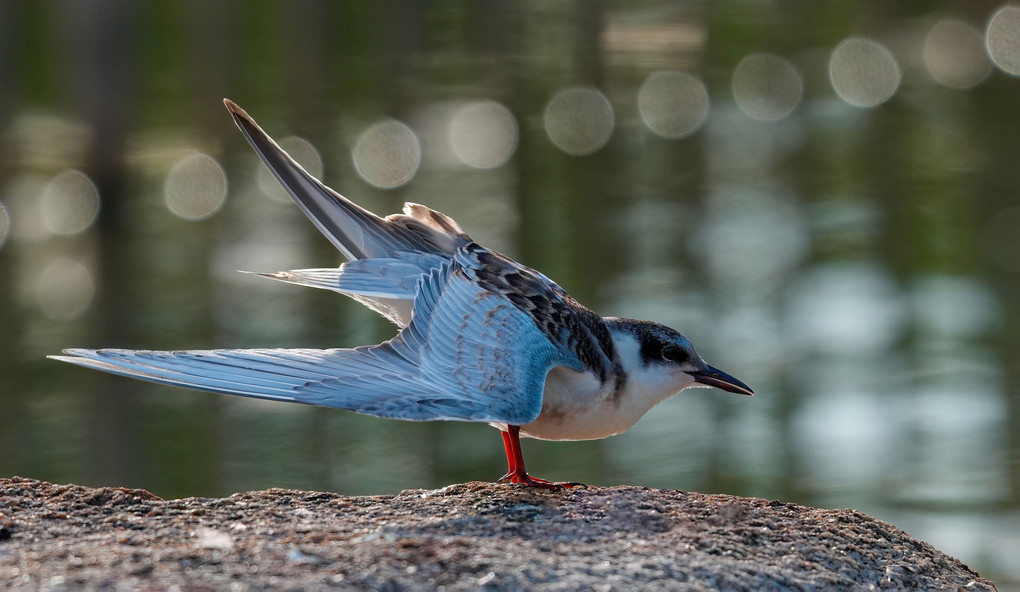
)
(511, 458)
(515, 463)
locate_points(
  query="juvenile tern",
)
(482, 338)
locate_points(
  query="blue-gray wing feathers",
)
(468, 354)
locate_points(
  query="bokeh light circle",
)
(1003, 39)
(954, 54)
(483, 134)
(845, 307)
(70, 203)
(863, 72)
(673, 104)
(195, 187)
(304, 153)
(579, 120)
(766, 87)
(387, 154)
(64, 289)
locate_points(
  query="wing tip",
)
(283, 276)
(87, 358)
(247, 123)
(235, 109)
(73, 353)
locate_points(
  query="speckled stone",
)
(462, 537)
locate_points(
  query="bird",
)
(482, 338)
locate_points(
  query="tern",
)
(482, 338)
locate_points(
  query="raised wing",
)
(468, 354)
(356, 232)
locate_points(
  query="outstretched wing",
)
(468, 354)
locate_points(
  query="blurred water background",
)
(823, 195)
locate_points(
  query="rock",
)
(461, 537)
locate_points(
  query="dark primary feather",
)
(356, 232)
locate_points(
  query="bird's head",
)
(661, 359)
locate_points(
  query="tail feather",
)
(387, 286)
(391, 277)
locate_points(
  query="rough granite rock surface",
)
(463, 537)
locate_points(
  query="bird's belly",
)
(578, 406)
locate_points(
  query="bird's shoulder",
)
(562, 319)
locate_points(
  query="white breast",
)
(577, 407)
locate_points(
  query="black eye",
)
(673, 353)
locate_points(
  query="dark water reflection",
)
(857, 265)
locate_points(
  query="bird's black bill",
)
(720, 380)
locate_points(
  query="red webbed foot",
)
(521, 478)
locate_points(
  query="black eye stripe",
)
(660, 343)
(654, 349)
